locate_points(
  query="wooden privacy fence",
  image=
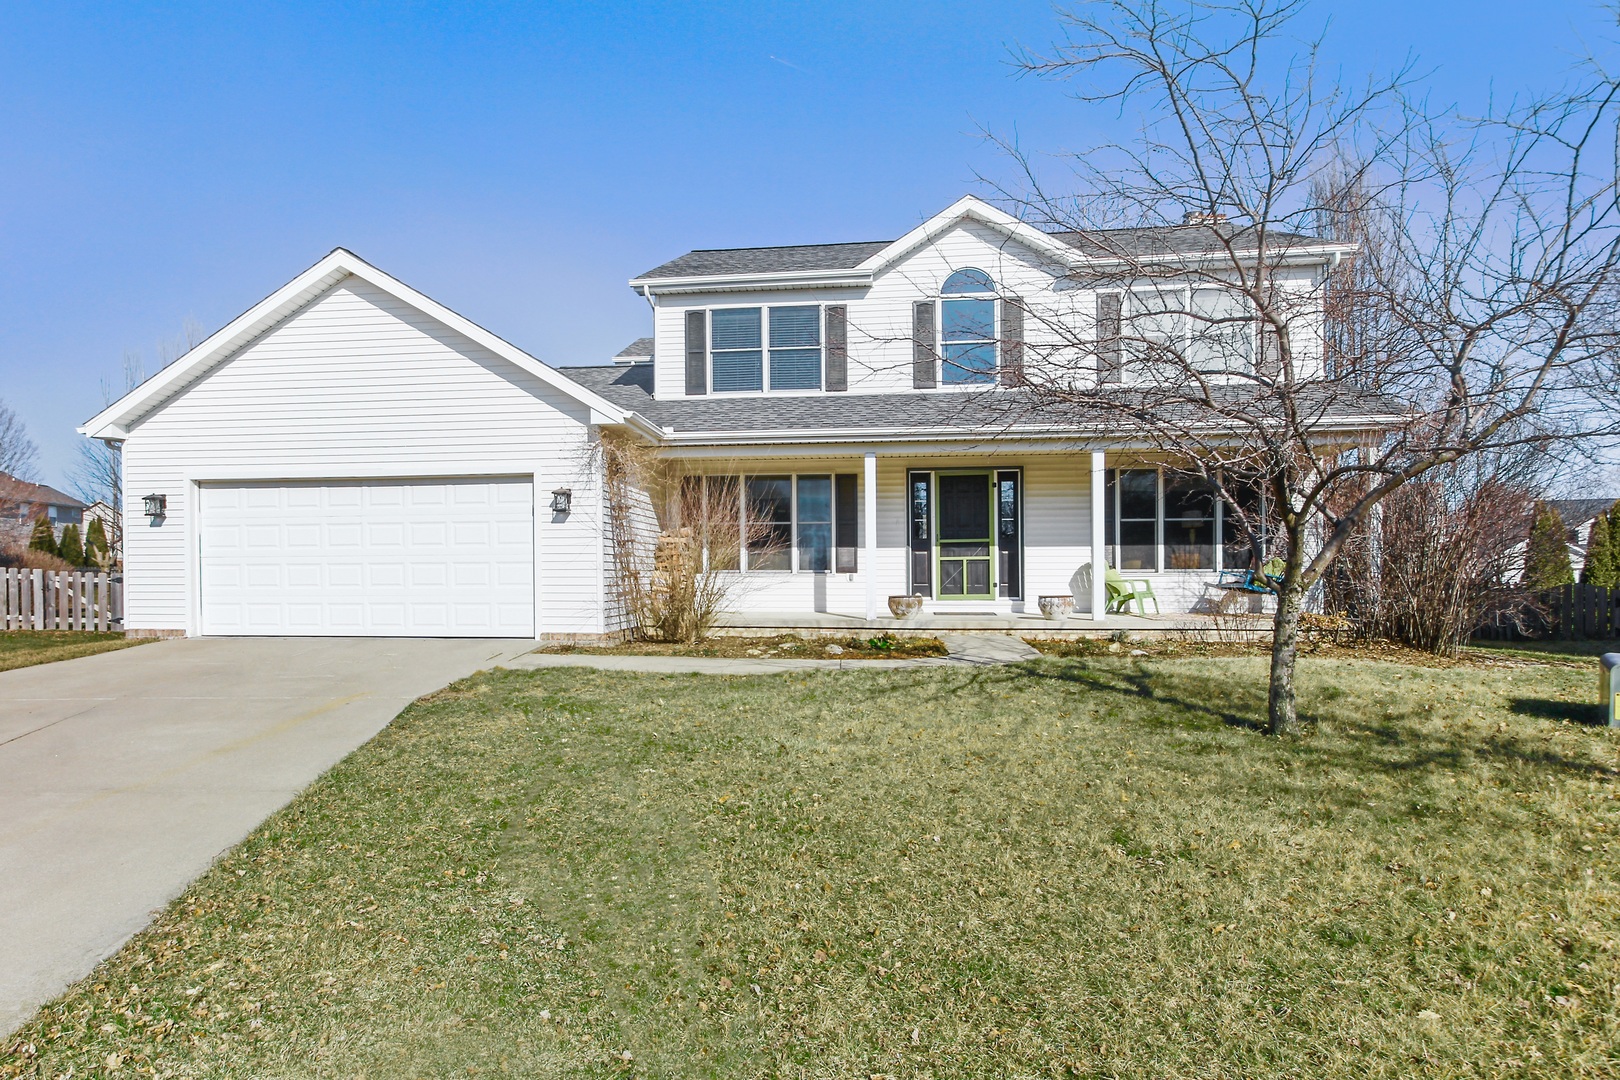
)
(59, 600)
(1584, 611)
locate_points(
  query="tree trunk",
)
(1282, 712)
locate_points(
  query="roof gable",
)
(115, 421)
(25, 492)
(856, 263)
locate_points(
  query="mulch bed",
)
(780, 647)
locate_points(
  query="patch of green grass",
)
(25, 648)
(1071, 868)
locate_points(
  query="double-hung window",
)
(1189, 524)
(1157, 520)
(1209, 330)
(770, 522)
(1133, 510)
(783, 523)
(795, 348)
(968, 328)
(1220, 332)
(735, 350)
(742, 362)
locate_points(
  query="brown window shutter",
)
(697, 352)
(837, 339)
(922, 344)
(1110, 350)
(1012, 341)
(1270, 361)
(846, 520)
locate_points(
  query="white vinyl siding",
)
(358, 385)
(879, 315)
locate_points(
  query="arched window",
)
(968, 327)
(968, 281)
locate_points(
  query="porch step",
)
(987, 648)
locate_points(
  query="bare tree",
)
(98, 476)
(1491, 286)
(18, 453)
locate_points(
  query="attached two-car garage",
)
(406, 558)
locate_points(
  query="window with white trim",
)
(1157, 520)
(968, 328)
(1211, 329)
(755, 349)
(784, 523)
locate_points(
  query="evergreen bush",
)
(70, 547)
(1602, 557)
(1546, 559)
(44, 537)
(96, 551)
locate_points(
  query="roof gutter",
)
(790, 279)
(674, 437)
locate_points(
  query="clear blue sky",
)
(518, 162)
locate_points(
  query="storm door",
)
(965, 536)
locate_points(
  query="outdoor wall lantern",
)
(561, 500)
(156, 506)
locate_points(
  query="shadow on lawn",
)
(1403, 741)
(1577, 712)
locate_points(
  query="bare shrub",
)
(23, 557)
(674, 554)
(1440, 558)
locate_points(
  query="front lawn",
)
(1087, 867)
(25, 648)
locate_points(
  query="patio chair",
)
(1123, 591)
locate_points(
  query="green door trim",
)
(989, 558)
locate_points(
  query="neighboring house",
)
(1578, 516)
(112, 525)
(23, 503)
(351, 457)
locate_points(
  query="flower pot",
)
(1057, 608)
(904, 607)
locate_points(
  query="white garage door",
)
(373, 558)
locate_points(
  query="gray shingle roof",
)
(1176, 240)
(768, 260)
(631, 388)
(642, 346)
(1163, 240)
(14, 490)
(1577, 512)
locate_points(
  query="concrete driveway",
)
(123, 775)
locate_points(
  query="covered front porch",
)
(1022, 624)
(980, 534)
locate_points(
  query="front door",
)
(966, 536)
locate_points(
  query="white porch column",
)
(871, 536)
(1099, 580)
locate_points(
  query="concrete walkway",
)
(124, 775)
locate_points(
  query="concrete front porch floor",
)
(1030, 624)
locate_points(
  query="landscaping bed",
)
(1578, 655)
(779, 647)
(1087, 867)
(25, 648)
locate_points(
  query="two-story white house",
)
(351, 457)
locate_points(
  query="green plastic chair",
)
(1124, 591)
